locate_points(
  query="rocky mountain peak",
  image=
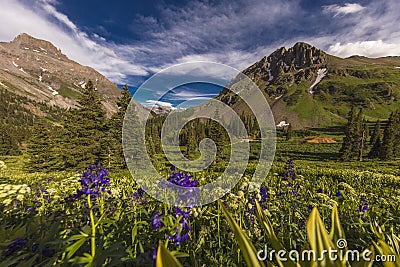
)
(26, 42)
(299, 62)
(38, 70)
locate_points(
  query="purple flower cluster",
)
(182, 230)
(289, 176)
(94, 182)
(250, 212)
(16, 245)
(139, 197)
(363, 208)
(45, 251)
(157, 222)
(181, 178)
(289, 173)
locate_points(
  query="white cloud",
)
(159, 103)
(365, 48)
(347, 8)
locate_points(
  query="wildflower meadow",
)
(97, 218)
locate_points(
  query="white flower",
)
(7, 201)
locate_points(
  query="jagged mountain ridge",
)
(38, 70)
(310, 88)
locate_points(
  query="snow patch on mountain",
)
(2, 84)
(320, 75)
(53, 92)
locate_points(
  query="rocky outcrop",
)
(288, 66)
(40, 71)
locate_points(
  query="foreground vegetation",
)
(51, 218)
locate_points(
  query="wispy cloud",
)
(42, 20)
(347, 8)
(236, 33)
(370, 48)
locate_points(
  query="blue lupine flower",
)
(319, 191)
(289, 173)
(157, 222)
(15, 246)
(45, 251)
(94, 182)
(363, 208)
(338, 194)
(263, 193)
(310, 208)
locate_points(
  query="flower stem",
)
(93, 225)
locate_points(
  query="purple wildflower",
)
(157, 221)
(310, 208)
(319, 191)
(94, 182)
(363, 207)
(263, 193)
(338, 194)
(15, 246)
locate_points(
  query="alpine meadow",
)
(292, 160)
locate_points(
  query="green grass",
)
(67, 92)
(124, 233)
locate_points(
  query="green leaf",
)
(268, 228)
(75, 246)
(336, 232)
(320, 241)
(165, 258)
(246, 247)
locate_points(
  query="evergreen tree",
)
(375, 141)
(42, 148)
(115, 156)
(289, 132)
(349, 141)
(8, 144)
(375, 151)
(391, 134)
(83, 139)
(376, 133)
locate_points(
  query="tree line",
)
(84, 136)
(384, 143)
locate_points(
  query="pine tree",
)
(375, 151)
(388, 142)
(360, 134)
(115, 155)
(42, 148)
(83, 139)
(8, 144)
(376, 133)
(375, 141)
(350, 139)
(289, 132)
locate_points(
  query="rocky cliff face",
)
(288, 66)
(38, 70)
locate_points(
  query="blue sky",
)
(127, 41)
